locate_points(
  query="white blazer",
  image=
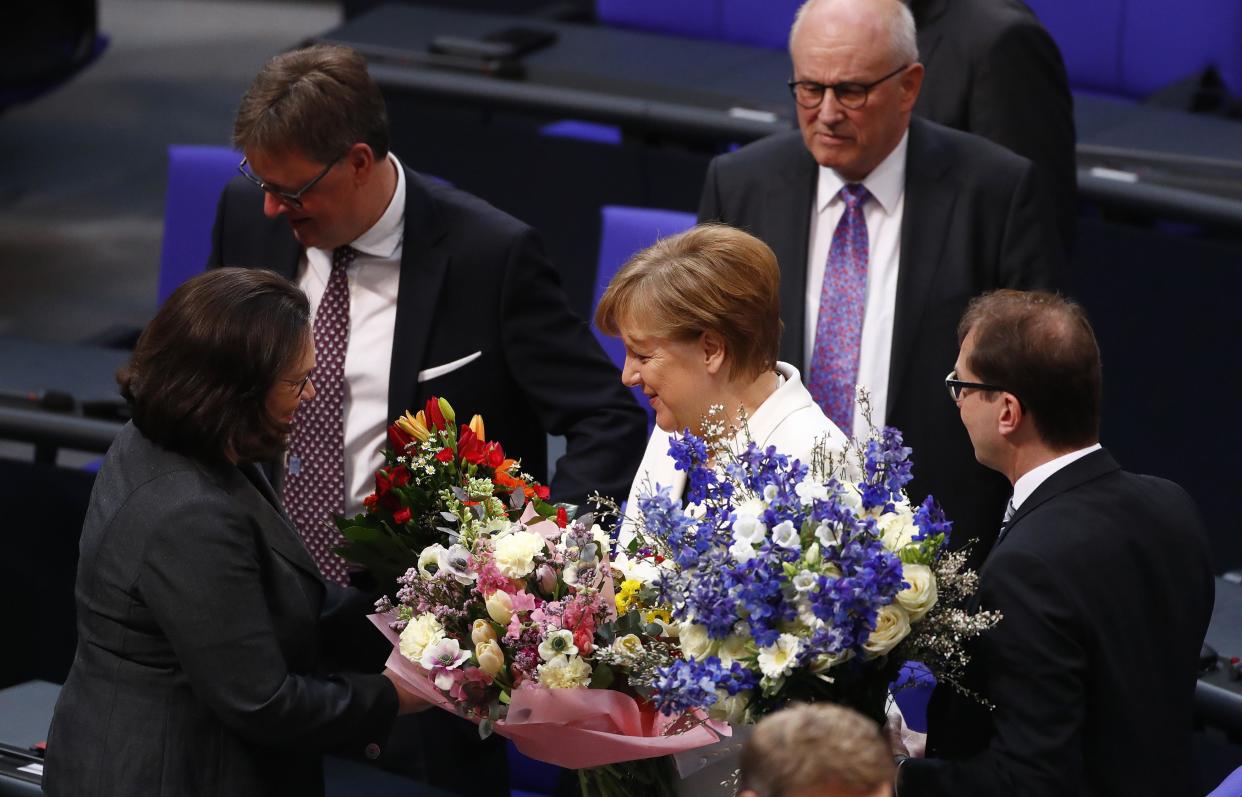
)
(788, 419)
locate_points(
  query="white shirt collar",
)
(887, 182)
(1031, 480)
(383, 238)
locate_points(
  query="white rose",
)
(897, 529)
(628, 645)
(431, 560)
(420, 633)
(779, 659)
(565, 672)
(785, 535)
(892, 624)
(730, 708)
(920, 596)
(694, 641)
(849, 497)
(734, 647)
(515, 553)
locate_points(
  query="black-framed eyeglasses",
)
(300, 384)
(293, 199)
(956, 386)
(810, 94)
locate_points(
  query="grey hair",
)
(904, 41)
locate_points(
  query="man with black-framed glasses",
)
(884, 225)
(1103, 579)
(416, 289)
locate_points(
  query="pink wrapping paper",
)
(571, 728)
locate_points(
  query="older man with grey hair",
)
(885, 225)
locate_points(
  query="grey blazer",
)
(202, 632)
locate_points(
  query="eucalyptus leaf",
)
(450, 517)
(517, 499)
(602, 677)
(485, 728)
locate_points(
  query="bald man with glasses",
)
(885, 225)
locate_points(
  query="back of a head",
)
(200, 374)
(711, 277)
(816, 750)
(319, 101)
(1040, 347)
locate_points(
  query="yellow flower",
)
(476, 426)
(414, 425)
(627, 595)
(657, 615)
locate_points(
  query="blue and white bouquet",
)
(795, 581)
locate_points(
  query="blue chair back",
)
(698, 19)
(761, 23)
(196, 176)
(1231, 786)
(625, 230)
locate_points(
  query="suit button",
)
(372, 751)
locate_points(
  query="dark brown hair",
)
(319, 100)
(709, 278)
(201, 372)
(809, 746)
(1040, 347)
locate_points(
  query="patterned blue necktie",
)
(842, 304)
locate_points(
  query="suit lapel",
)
(1079, 472)
(929, 202)
(253, 489)
(424, 262)
(788, 235)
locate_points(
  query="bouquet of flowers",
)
(504, 606)
(438, 482)
(791, 581)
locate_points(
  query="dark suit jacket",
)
(993, 70)
(1106, 588)
(972, 222)
(199, 668)
(476, 279)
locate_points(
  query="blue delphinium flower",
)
(688, 684)
(930, 519)
(887, 469)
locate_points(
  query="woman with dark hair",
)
(203, 624)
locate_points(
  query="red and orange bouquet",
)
(439, 482)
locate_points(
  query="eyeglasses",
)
(810, 94)
(956, 386)
(294, 199)
(299, 384)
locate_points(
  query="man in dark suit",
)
(947, 216)
(993, 70)
(429, 291)
(1102, 577)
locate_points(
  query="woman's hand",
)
(408, 702)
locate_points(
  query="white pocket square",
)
(447, 368)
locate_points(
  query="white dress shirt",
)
(788, 419)
(374, 277)
(1028, 482)
(883, 213)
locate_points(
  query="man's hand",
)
(902, 740)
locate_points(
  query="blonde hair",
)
(710, 278)
(821, 745)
